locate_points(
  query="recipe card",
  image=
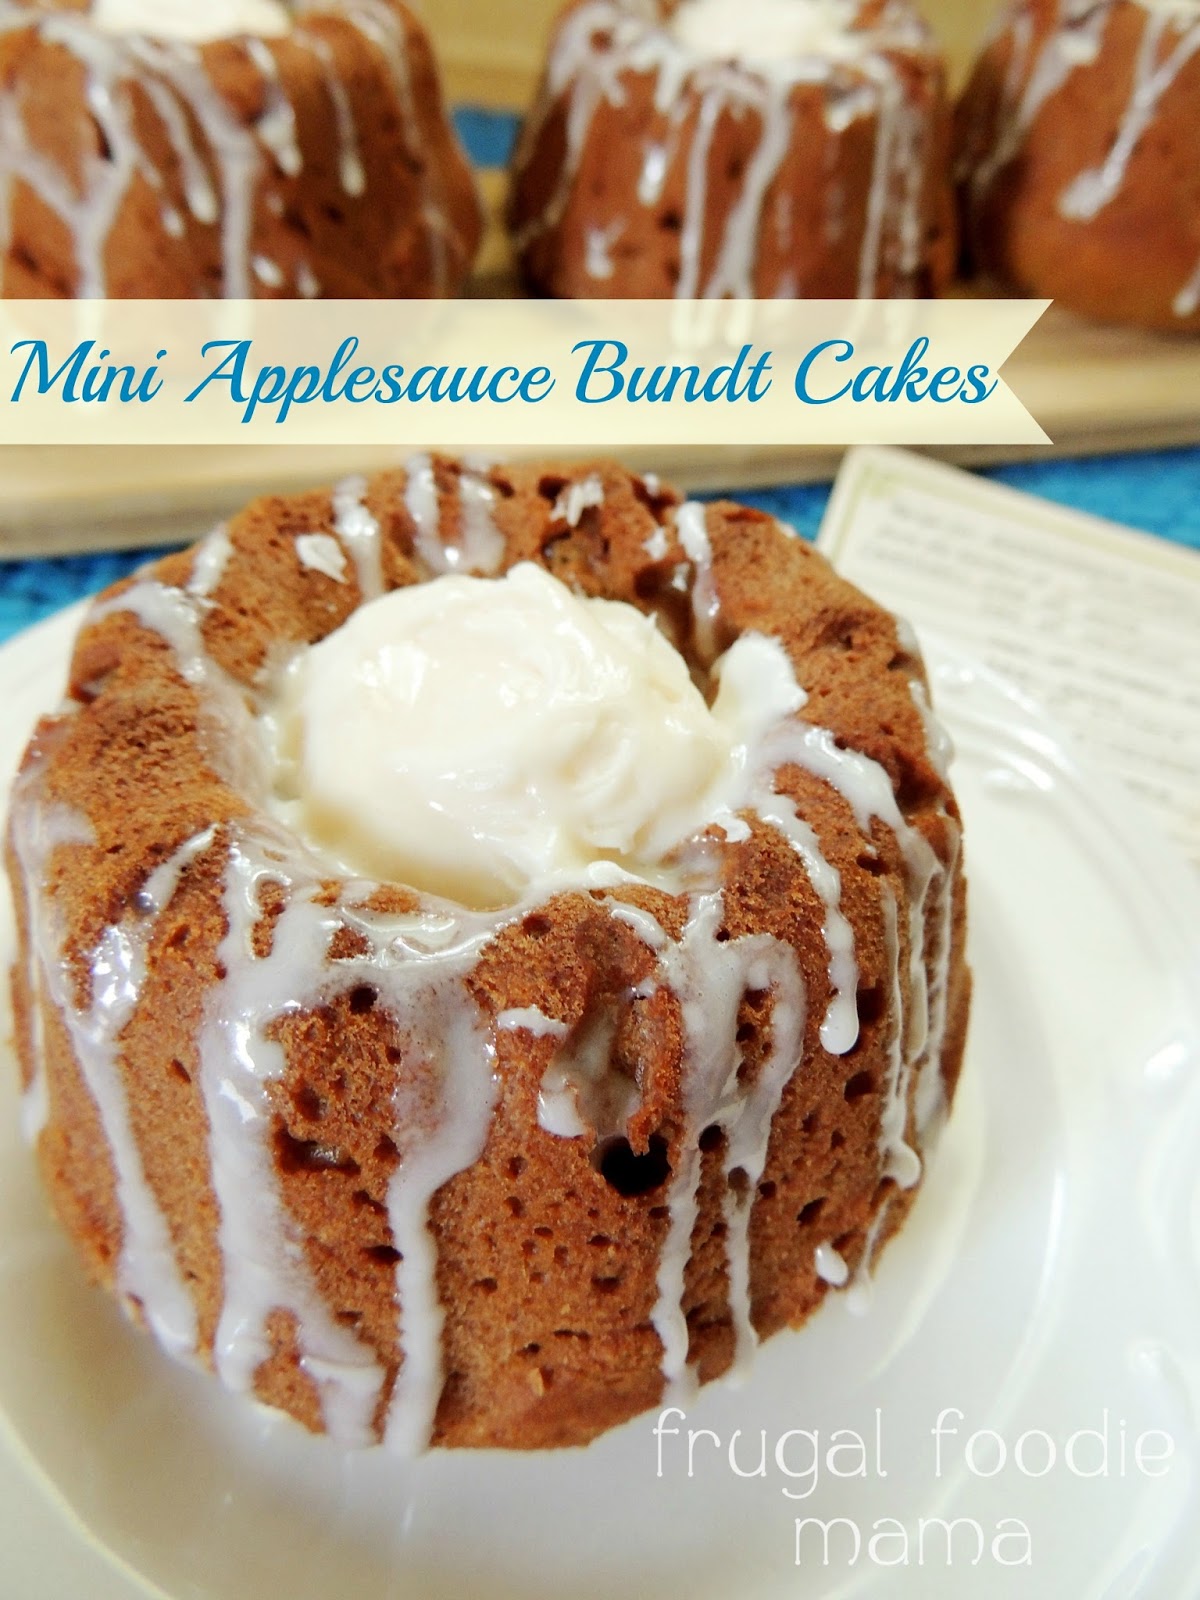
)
(1098, 623)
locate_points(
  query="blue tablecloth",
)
(1159, 492)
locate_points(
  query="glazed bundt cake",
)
(742, 148)
(238, 148)
(491, 947)
(1079, 157)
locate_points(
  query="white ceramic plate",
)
(1049, 1280)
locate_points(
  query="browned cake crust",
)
(1079, 156)
(321, 163)
(547, 1249)
(615, 193)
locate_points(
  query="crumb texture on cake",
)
(1079, 157)
(773, 148)
(316, 159)
(417, 1173)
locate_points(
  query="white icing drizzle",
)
(421, 501)
(655, 167)
(861, 1291)
(483, 545)
(148, 1272)
(646, 926)
(691, 524)
(938, 742)
(90, 213)
(1187, 301)
(459, 1047)
(319, 552)
(862, 783)
(735, 268)
(232, 148)
(711, 977)
(380, 23)
(177, 616)
(576, 499)
(350, 163)
(736, 829)
(1074, 42)
(579, 1092)
(930, 1103)
(831, 1267)
(891, 107)
(839, 1030)
(265, 1268)
(276, 126)
(198, 188)
(558, 1110)
(558, 1106)
(481, 548)
(657, 546)
(855, 66)
(691, 238)
(1154, 75)
(208, 568)
(532, 1020)
(417, 967)
(917, 1046)
(358, 529)
(776, 970)
(1170, 39)
(38, 831)
(269, 273)
(866, 788)
(598, 247)
(901, 1162)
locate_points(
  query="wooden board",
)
(1092, 389)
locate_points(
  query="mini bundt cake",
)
(1079, 157)
(169, 149)
(491, 947)
(737, 148)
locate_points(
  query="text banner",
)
(595, 374)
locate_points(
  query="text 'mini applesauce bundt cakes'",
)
(178, 149)
(491, 948)
(1079, 155)
(738, 148)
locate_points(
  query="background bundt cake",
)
(235, 149)
(505, 1169)
(722, 148)
(1079, 155)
